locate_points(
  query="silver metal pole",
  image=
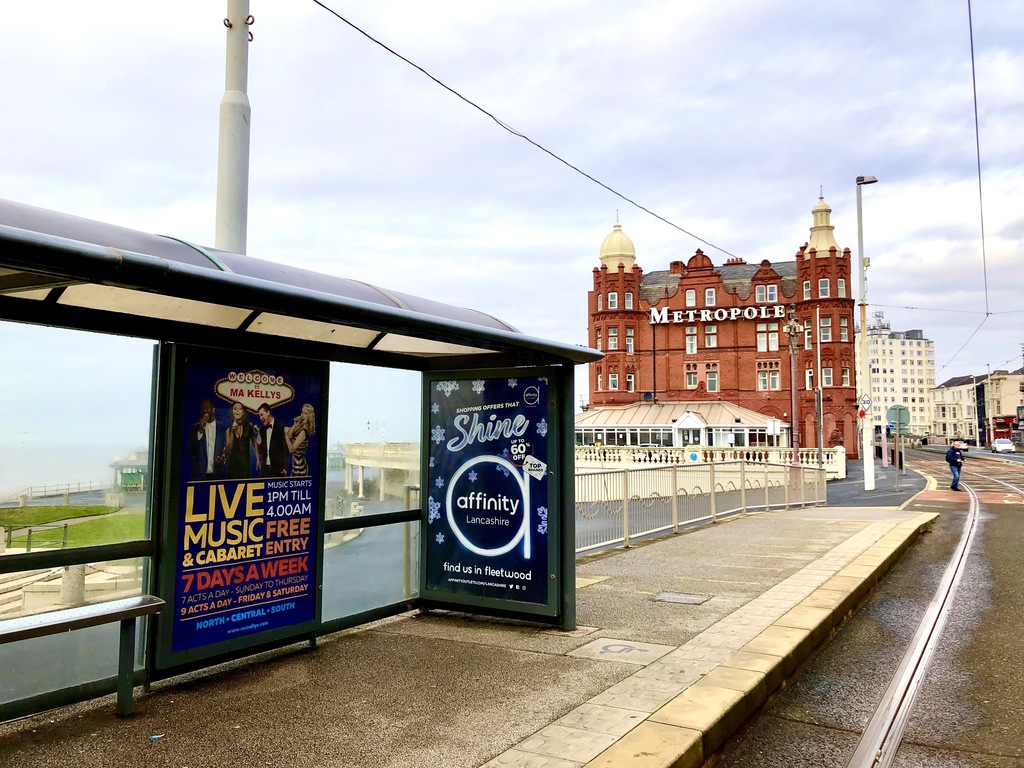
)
(233, 149)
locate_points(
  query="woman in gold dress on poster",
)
(297, 436)
(241, 435)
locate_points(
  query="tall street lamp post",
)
(794, 329)
(868, 426)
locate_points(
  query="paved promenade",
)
(680, 640)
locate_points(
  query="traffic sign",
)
(865, 402)
(899, 416)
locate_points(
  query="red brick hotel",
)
(697, 332)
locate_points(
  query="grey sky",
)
(724, 117)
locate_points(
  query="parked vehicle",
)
(1002, 445)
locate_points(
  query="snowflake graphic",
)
(513, 383)
(439, 482)
(542, 513)
(434, 408)
(542, 527)
(501, 468)
(472, 475)
(439, 538)
(544, 379)
(433, 509)
(437, 434)
(478, 386)
(431, 462)
(542, 427)
(447, 387)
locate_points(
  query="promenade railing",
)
(614, 506)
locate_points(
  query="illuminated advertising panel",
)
(247, 528)
(489, 535)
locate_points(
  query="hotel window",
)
(826, 377)
(824, 330)
(709, 297)
(691, 298)
(691, 339)
(841, 288)
(599, 348)
(809, 378)
(599, 382)
(630, 382)
(691, 375)
(613, 339)
(613, 300)
(767, 337)
(629, 299)
(808, 337)
(844, 329)
(600, 302)
(846, 377)
(765, 294)
(710, 336)
(711, 376)
(823, 288)
(807, 290)
(613, 381)
(768, 375)
(629, 342)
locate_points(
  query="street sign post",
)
(899, 416)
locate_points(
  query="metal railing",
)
(41, 542)
(45, 491)
(615, 506)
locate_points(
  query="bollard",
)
(625, 507)
(675, 499)
(72, 586)
(714, 505)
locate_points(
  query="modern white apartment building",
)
(902, 373)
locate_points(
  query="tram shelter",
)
(236, 548)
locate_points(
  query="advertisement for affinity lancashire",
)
(247, 535)
(489, 539)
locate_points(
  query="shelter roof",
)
(62, 270)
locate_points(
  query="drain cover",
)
(681, 597)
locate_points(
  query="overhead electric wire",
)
(524, 137)
(981, 204)
(519, 134)
(977, 149)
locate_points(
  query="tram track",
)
(883, 735)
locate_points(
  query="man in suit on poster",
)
(272, 446)
(206, 440)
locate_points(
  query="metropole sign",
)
(720, 315)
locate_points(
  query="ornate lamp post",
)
(795, 330)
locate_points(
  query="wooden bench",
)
(68, 619)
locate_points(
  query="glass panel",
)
(40, 665)
(74, 459)
(370, 567)
(373, 438)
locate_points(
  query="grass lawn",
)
(104, 530)
(21, 517)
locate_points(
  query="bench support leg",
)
(126, 668)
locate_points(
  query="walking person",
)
(955, 459)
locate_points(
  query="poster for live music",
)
(488, 532)
(248, 525)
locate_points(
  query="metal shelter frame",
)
(64, 271)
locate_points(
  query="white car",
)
(1002, 445)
